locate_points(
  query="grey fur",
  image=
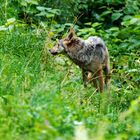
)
(91, 55)
(92, 50)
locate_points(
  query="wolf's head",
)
(62, 45)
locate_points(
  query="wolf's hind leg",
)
(101, 80)
(107, 75)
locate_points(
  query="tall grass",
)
(45, 99)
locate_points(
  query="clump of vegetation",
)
(42, 97)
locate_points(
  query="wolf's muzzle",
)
(52, 52)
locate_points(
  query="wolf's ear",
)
(71, 34)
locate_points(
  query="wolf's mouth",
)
(54, 53)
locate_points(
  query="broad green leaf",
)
(114, 29)
(41, 8)
(68, 24)
(127, 17)
(96, 24)
(126, 23)
(3, 28)
(106, 13)
(53, 11)
(116, 16)
(48, 9)
(49, 15)
(43, 13)
(132, 70)
(134, 21)
(35, 2)
(10, 21)
(23, 3)
(88, 23)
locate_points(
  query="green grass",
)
(42, 97)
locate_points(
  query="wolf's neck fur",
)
(80, 51)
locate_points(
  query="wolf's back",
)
(98, 47)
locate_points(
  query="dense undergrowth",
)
(42, 97)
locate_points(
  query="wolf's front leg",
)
(85, 77)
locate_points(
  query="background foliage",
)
(41, 95)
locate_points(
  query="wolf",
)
(91, 55)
